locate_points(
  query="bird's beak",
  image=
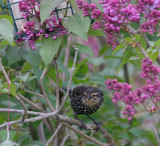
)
(88, 97)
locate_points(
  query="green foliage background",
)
(25, 67)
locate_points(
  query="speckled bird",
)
(85, 100)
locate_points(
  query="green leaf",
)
(49, 49)
(3, 134)
(81, 69)
(127, 55)
(32, 56)
(74, 6)
(12, 55)
(103, 50)
(24, 77)
(97, 78)
(78, 25)
(100, 7)
(7, 143)
(85, 49)
(95, 32)
(5, 42)
(96, 61)
(36, 124)
(124, 135)
(157, 43)
(6, 30)
(7, 17)
(26, 67)
(118, 48)
(63, 68)
(47, 7)
(12, 88)
(2, 119)
(153, 54)
(136, 131)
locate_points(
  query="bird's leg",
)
(82, 122)
(95, 122)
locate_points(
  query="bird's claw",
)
(98, 126)
(82, 125)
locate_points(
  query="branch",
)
(57, 86)
(41, 134)
(5, 74)
(89, 127)
(43, 116)
(40, 95)
(43, 90)
(55, 133)
(4, 50)
(156, 134)
(24, 107)
(85, 136)
(21, 112)
(30, 103)
(137, 43)
(8, 81)
(70, 80)
(65, 139)
(61, 118)
(66, 60)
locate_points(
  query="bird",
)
(85, 100)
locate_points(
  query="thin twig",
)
(4, 50)
(43, 116)
(57, 86)
(30, 103)
(41, 134)
(89, 127)
(5, 74)
(84, 135)
(66, 60)
(43, 90)
(21, 112)
(55, 133)
(137, 43)
(70, 79)
(40, 95)
(9, 82)
(156, 134)
(24, 107)
(65, 139)
(73, 66)
(61, 118)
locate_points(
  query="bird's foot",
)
(82, 124)
(98, 126)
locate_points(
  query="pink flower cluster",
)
(119, 13)
(28, 7)
(51, 27)
(150, 10)
(149, 91)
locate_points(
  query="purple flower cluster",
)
(150, 10)
(34, 29)
(119, 13)
(86, 7)
(149, 91)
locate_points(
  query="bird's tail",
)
(62, 89)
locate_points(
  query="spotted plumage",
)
(85, 100)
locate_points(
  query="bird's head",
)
(92, 98)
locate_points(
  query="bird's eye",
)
(94, 94)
